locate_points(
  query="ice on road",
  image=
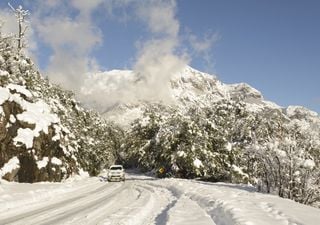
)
(143, 200)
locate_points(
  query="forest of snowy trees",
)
(227, 143)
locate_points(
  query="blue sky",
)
(273, 45)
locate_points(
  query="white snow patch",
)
(4, 95)
(145, 121)
(3, 73)
(20, 89)
(197, 163)
(56, 161)
(181, 154)
(36, 113)
(281, 153)
(228, 146)
(58, 130)
(42, 163)
(24, 136)
(76, 177)
(309, 164)
(12, 119)
(294, 110)
(39, 114)
(11, 165)
(239, 170)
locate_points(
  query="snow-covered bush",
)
(284, 157)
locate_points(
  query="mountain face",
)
(187, 88)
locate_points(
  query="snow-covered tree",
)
(283, 156)
(21, 15)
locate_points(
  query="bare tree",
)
(21, 15)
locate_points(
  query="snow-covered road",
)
(143, 200)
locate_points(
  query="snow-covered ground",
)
(143, 200)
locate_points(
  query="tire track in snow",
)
(73, 210)
(25, 202)
(175, 213)
(162, 217)
(135, 208)
(145, 210)
(48, 210)
(224, 210)
(133, 203)
(234, 204)
(220, 212)
(216, 209)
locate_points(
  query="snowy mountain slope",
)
(188, 87)
(146, 200)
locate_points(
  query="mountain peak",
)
(123, 91)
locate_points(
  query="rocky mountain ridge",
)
(187, 88)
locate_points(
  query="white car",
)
(116, 173)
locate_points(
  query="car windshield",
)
(116, 168)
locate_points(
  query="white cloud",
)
(77, 35)
(157, 59)
(205, 44)
(201, 47)
(47, 3)
(117, 9)
(86, 7)
(69, 69)
(160, 17)
(156, 64)
(72, 37)
(10, 25)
